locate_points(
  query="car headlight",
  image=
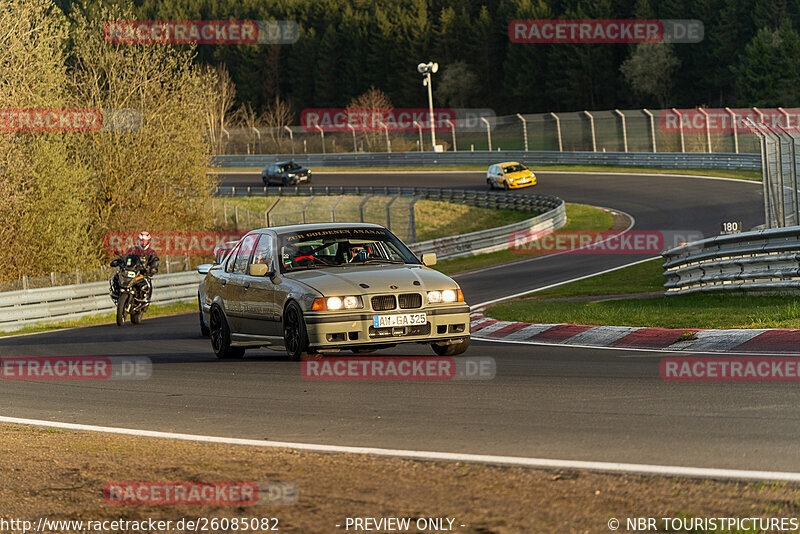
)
(347, 303)
(448, 295)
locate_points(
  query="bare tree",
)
(279, 114)
(374, 106)
(224, 93)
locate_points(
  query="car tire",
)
(363, 351)
(220, 334)
(122, 303)
(451, 350)
(490, 182)
(505, 186)
(204, 330)
(266, 182)
(295, 334)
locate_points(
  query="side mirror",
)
(259, 269)
(429, 259)
(204, 268)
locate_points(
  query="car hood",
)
(341, 281)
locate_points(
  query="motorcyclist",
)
(147, 257)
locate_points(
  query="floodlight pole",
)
(430, 110)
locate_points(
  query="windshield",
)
(292, 167)
(336, 247)
(514, 168)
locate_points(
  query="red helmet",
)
(144, 240)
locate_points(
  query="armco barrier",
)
(481, 199)
(51, 304)
(493, 239)
(22, 308)
(758, 261)
(676, 160)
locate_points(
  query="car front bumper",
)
(345, 330)
(527, 182)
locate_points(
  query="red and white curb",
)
(775, 340)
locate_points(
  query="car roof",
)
(507, 163)
(316, 226)
(284, 162)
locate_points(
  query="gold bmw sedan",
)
(327, 287)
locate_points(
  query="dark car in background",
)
(285, 173)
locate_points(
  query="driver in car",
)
(358, 253)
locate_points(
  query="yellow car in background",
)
(509, 175)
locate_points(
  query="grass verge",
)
(679, 311)
(722, 173)
(106, 318)
(579, 217)
(333, 487)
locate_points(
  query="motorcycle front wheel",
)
(122, 304)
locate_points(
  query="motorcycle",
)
(130, 289)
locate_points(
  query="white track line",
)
(657, 353)
(542, 463)
(539, 257)
(482, 304)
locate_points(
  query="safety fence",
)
(53, 304)
(757, 261)
(779, 170)
(390, 206)
(628, 130)
(485, 158)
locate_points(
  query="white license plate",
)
(407, 319)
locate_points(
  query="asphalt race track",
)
(545, 402)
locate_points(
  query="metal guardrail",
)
(27, 307)
(405, 159)
(480, 199)
(493, 239)
(758, 261)
(51, 304)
